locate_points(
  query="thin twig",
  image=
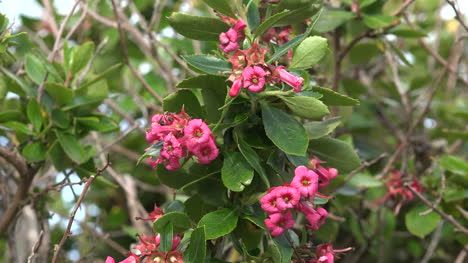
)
(447, 217)
(458, 14)
(35, 247)
(72, 215)
(363, 166)
(434, 242)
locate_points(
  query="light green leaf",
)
(378, 21)
(34, 68)
(236, 172)
(284, 131)
(365, 180)
(34, 113)
(35, 152)
(197, 27)
(331, 19)
(59, 93)
(454, 164)
(306, 107)
(309, 52)
(334, 98)
(218, 223)
(80, 56)
(421, 225)
(18, 127)
(318, 129)
(286, 47)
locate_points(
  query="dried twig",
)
(447, 217)
(458, 14)
(36, 246)
(72, 215)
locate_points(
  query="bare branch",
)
(458, 14)
(36, 246)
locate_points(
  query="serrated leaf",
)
(421, 225)
(208, 64)
(309, 52)
(284, 131)
(197, 27)
(236, 172)
(333, 98)
(253, 16)
(336, 153)
(318, 129)
(218, 223)
(34, 113)
(306, 107)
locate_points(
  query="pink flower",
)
(156, 257)
(110, 260)
(235, 88)
(196, 132)
(278, 222)
(325, 175)
(174, 257)
(316, 218)
(268, 203)
(206, 152)
(175, 240)
(325, 253)
(287, 197)
(290, 79)
(230, 40)
(255, 55)
(305, 180)
(254, 78)
(154, 215)
(173, 146)
(169, 161)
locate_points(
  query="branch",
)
(458, 14)
(72, 215)
(16, 160)
(448, 218)
(35, 247)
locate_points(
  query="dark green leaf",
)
(10, 115)
(421, 225)
(336, 153)
(298, 12)
(34, 68)
(218, 223)
(208, 64)
(60, 118)
(197, 27)
(72, 147)
(166, 238)
(180, 222)
(236, 172)
(409, 33)
(318, 129)
(333, 98)
(309, 52)
(306, 107)
(222, 6)
(284, 131)
(332, 19)
(183, 99)
(34, 113)
(80, 56)
(35, 152)
(286, 47)
(269, 22)
(253, 16)
(175, 206)
(59, 93)
(196, 250)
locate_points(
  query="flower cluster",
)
(249, 69)
(182, 137)
(148, 247)
(326, 254)
(299, 196)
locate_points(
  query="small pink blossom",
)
(110, 260)
(196, 132)
(287, 197)
(156, 257)
(268, 203)
(290, 79)
(305, 180)
(316, 218)
(154, 215)
(173, 146)
(206, 152)
(174, 257)
(255, 55)
(278, 222)
(254, 78)
(169, 161)
(235, 88)
(230, 40)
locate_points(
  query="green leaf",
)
(219, 223)
(197, 27)
(180, 222)
(34, 68)
(253, 16)
(236, 172)
(336, 153)
(252, 157)
(35, 152)
(309, 52)
(152, 151)
(306, 107)
(102, 123)
(196, 250)
(18, 127)
(59, 93)
(269, 23)
(72, 147)
(100, 76)
(331, 19)
(286, 47)
(25, 88)
(334, 98)
(409, 33)
(421, 225)
(213, 89)
(60, 118)
(183, 99)
(284, 131)
(10, 115)
(299, 11)
(364, 3)
(34, 113)
(377, 21)
(80, 56)
(175, 206)
(318, 129)
(222, 6)
(166, 238)
(59, 157)
(208, 64)
(454, 164)
(365, 180)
